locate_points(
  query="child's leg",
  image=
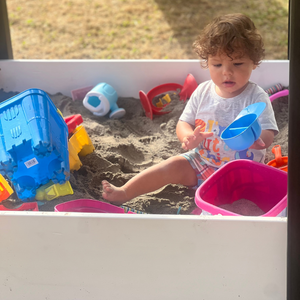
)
(175, 170)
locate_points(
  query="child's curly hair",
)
(233, 33)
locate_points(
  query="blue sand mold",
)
(33, 142)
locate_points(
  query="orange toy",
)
(5, 189)
(279, 161)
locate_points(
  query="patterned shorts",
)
(202, 170)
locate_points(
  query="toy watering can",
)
(102, 99)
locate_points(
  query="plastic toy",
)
(5, 189)
(279, 94)
(74, 160)
(33, 142)
(159, 103)
(146, 99)
(245, 129)
(79, 144)
(52, 190)
(89, 206)
(102, 99)
(279, 162)
(73, 121)
(30, 206)
(128, 209)
(163, 88)
(186, 91)
(276, 91)
(79, 94)
(166, 98)
(146, 105)
(79, 141)
(190, 84)
(244, 179)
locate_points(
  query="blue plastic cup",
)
(245, 129)
(242, 133)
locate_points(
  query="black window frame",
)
(293, 220)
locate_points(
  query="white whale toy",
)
(101, 99)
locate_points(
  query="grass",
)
(132, 29)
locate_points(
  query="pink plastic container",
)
(89, 206)
(265, 186)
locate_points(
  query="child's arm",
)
(189, 136)
(265, 140)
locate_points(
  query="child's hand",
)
(192, 141)
(258, 144)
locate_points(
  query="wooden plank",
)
(107, 256)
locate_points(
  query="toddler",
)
(231, 48)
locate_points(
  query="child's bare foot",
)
(113, 194)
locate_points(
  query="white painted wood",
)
(128, 77)
(103, 256)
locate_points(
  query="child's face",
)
(230, 75)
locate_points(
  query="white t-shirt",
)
(205, 105)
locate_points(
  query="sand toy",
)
(279, 162)
(244, 179)
(190, 84)
(245, 129)
(79, 141)
(147, 99)
(276, 91)
(101, 99)
(73, 121)
(33, 142)
(80, 93)
(52, 190)
(30, 206)
(80, 144)
(5, 189)
(160, 103)
(90, 206)
(186, 91)
(279, 94)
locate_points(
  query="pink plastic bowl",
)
(89, 206)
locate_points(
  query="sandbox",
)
(51, 255)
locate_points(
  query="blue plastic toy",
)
(245, 129)
(102, 99)
(33, 142)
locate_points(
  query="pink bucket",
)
(261, 184)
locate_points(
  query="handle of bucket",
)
(278, 157)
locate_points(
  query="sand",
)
(243, 207)
(126, 146)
